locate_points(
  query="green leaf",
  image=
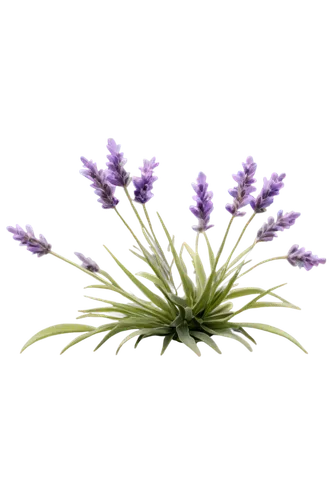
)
(57, 330)
(166, 342)
(99, 316)
(151, 296)
(210, 252)
(151, 278)
(187, 284)
(127, 311)
(178, 300)
(240, 256)
(106, 287)
(129, 337)
(185, 337)
(227, 332)
(207, 339)
(250, 304)
(241, 330)
(242, 292)
(271, 304)
(268, 328)
(84, 336)
(143, 306)
(198, 266)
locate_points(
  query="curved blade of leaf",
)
(151, 278)
(247, 335)
(227, 332)
(155, 299)
(207, 339)
(250, 304)
(99, 316)
(57, 330)
(198, 266)
(271, 329)
(185, 337)
(119, 310)
(129, 337)
(166, 342)
(242, 292)
(210, 252)
(272, 304)
(84, 336)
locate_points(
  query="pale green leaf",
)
(57, 330)
(268, 328)
(185, 337)
(166, 342)
(84, 336)
(207, 339)
(155, 299)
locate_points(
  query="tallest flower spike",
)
(242, 192)
(117, 175)
(204, 206)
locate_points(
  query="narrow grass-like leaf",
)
(151, 278)
(227, 332)
(272, 304)
(127, 311)
(207, 339)
(268, 328)
(84, 336)
(166, 342)
(185, 337)
(92, 315)
(242, 292)
(250, 304)
(57, 330)
(198, 266)
(247, 335)
(210, 252)
(158, 301)
(183, 276)
(129, 337)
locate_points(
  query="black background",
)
(46, 190)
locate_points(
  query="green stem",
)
(58, 256)
(197, 242)
(262, 263)
(220, 250)
(135, 210)
(128, 227)
(210, 251)
(240, 237)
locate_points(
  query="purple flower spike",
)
(270, 188)
(144, 184)
(302, 258)
(87, 263)
(37, 246)
(204, 204)
(117, 175)
(270, 228)
(103, 188)
(242, 192)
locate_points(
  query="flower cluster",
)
(202, 306)
(301, 258)
(117, 175)
(269, 229)
(242, 192)
(204, 207)
(144, 184)
(37, 246)
(103, 188)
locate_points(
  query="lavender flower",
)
(269, 229)
(302, 258)
(117, 175)
(241, 192)
(87, 263)
(103, 188)
(270, 188)
(37, 246)
(144, 184)
(204, 204)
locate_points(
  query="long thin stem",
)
(134, 209)
(240, 237)
(220, 250)
(262, 263)
(197, 242)
(128, 227)
(94, 275)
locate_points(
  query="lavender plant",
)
(202, 306)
